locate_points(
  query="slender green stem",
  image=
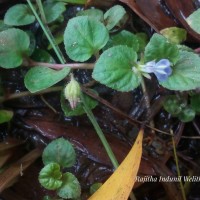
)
(60, 66)
(102, 138)
(41, 9)
(27, 93)
(177, 166)
(100, 133)
(47, 33)
(48, 104)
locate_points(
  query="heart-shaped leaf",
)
(93, 13)
(60, 151)
(14, 45)
(113, 16)
(50, 176)
(124, 38)
(53, 10)
(185, 74)
(174, 34)
(193, 20)
(19, 15)
(114, 68)
(84, 37)
(121, 182)
(40, 78)
(70, 188)
(159, 48)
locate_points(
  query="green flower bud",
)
(72, 92)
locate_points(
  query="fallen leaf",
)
(120, 184)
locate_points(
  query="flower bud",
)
(72, 92)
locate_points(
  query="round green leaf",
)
(187, 114)
(113, 16)
(125, 38)
(114, 68)
(53, 10)
(70, 188)
(172, 105)
(19, 15)
(93, 13)
(14, 45)
(50, 176)
(193, 21)
(195, 102)
(84, 37)
(185, 74)
(40, 78)
(68, 111)
(5, 116)
(60, 151)
(174, 34)
(159, 48)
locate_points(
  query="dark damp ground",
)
(36, 124)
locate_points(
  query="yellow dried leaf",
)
(120, 184)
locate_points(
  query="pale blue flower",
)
(161, 69)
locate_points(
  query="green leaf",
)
(14, 45)
(142, 41)
(113, 16)
(94, 187)
(193, 20)
(5, 116)
(40, 78)
(125, 38)
(70, 188)
(50, 176)
(19, 15)
(68, 111)
(174, 35)
(92, 13)
(185, 74)
(41, 55)
(172, 105)
(53, 10)
(195, 102)
(187, 114)
(89, 36)
(114, 68)
(60, 151)
(159, 48)
(3, 26)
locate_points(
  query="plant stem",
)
(47, 33)
(60, 66)
(102, 138)
(147, 100)
(27, 93)
(177, 166)
(100, 133)
(41, 9)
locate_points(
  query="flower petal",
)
(161, 76)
